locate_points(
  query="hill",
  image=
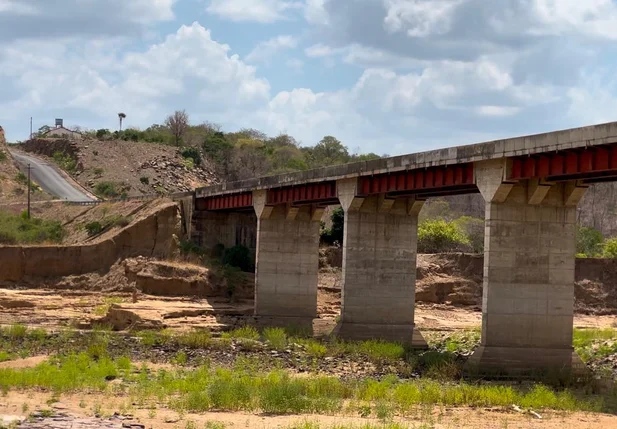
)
(116, 168)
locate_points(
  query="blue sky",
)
(385, 76)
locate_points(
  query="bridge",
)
(531, 186)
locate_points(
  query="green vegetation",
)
(22, 179)
(277, 392)
(144, 180)
(277, 337)
(102, 309)
(335, 233)
(98, 171)
(245, 333)
(65, 161)
(3, 156)
(238, 256)
(18, 229)
(589, 242)
(438, 235)
(96, 227)
(111, 190)
(192, 153)
(610, 248)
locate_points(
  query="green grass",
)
(18, 229)
(277, 392)
(595, 343)
(277, 337)
(197, 338)
(101, 310)
(245, 333)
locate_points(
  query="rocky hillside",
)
(123, 168)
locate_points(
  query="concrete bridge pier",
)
(528, 294)
(287, 261)
(379, 267)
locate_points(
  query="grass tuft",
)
(245, 333)
(277, 337)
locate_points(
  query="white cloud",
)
(264, 51)
(263, 11)
(319, 50)
(315, 12)
(11, 6)
(420, 18)
(295, 64)
(592, 17)
(497, 110)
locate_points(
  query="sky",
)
(384, 76)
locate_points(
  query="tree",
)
(329, 151)
(44, 129)
(121, 117)
(178, 124)
(589, 241)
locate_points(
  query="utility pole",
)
(29, 186)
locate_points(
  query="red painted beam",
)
(302, 193)
(415, 180)
(584, 162)
(242, 200)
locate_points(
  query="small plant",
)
(314, 348)
(3, 156)
(108, 189)
(197, 338)
(65, 161)
(277, 337)
(144, 180)
(98, 171)
(238, 256)
(246, 333)
(180, 358)
(610, 248)
(94, 228)
(16, 331)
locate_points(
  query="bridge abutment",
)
(379, 267)
(528, 292)
(287, 259)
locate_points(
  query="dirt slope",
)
(137, 168)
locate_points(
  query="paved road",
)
(48, 178)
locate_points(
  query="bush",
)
(107, 190)
(98, 171)
(589, 241)
(144, 180)
(3, 156)
(334, 234)
(94, 228)
(473, 228)
(436, 236)
(18, 229)
(610, 248)
(238, 256)
(277, 337)
(192, 153)
(65, 161)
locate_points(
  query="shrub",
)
(98, 171)
(334, 234)
(589, 241)
(610, 248)
(277, 337)
(65, 161)
(473, 228)
(188, 247)
(107, 189)
(3, 156)
(144, 180)
(238, 256)
(246, 333)
(94, 228)
(435, 236)
(18, 229)
(192, 153)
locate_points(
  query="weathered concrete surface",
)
(528, 294)
(379, 267)
(228, 229)
(527, 145)
(287, 260)
(152, 235)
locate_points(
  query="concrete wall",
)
(149, 236)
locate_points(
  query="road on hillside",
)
(48, 178)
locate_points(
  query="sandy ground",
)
(53, 309)
(437, 417)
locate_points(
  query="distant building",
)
(60, 132)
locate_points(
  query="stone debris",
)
(65, 421)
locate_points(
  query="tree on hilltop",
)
(178, 123)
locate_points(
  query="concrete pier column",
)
(379, 267)
(287, 259)
(528, 293)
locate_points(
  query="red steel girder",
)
(308, 192)
(418, 180)
(585, 162)
(242, 200)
